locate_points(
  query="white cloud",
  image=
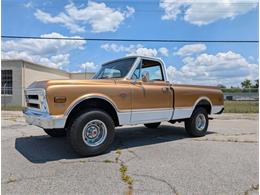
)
(88, 66)
(137, 49)
(101, 17)
(164, 51)
(51, 52)
(228, 68)
(191, 49)
(206, 12)
(62, 18)
(29, 4)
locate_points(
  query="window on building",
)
(7, 82)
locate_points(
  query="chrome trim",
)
(44, 120)
(42, 99)
(86, 97)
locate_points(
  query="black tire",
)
(152, 125)
(75, 134)
(55, 132)
(190, 124)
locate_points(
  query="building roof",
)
(42, 66)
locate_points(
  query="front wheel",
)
(152, 125)
(197, 124)
(92, 132)
(55, 132)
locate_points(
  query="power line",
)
(129, 40)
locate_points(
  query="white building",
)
(19, 74)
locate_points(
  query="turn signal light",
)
(60, 99)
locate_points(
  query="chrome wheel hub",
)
(94, 133)
(200, 122)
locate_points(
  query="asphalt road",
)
(141, 161)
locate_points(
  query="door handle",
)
(165, 89)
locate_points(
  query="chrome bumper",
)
(44, 120)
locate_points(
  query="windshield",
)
(116, 69)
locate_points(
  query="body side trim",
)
(86, 97)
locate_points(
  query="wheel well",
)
(204, 104)
(92, 103)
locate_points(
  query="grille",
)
(35, 99)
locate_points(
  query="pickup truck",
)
(127, 91)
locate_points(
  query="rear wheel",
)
(55, 132)
(152, 125)
(92, 132)
(197, 124)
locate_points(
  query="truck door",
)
(152, 98)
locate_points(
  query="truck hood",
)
(48, 83)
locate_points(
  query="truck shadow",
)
(42, 148)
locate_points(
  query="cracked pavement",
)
(159, 161)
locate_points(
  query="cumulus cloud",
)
(164, 51)
(51, 52)
(191, 49)
(88, 66)
(137, 49)
(228, 68)
(143, 51)
(203, 13)
(100, 17)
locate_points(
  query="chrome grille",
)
(36, 99)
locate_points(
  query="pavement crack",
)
(87, 161)
(125, 177)
(13, 179)
(173, 189)
(251, 189)
(228, 140)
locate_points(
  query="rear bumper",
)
(217, 109)
(44, 120)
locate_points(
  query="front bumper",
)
(44, 120)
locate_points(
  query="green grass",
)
(241, 106)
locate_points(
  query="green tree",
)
(246, 84)
(256, 84)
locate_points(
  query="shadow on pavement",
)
(42, 149)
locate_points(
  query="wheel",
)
(197, 124)
(92, 132)
(55, 132)
(152, 125)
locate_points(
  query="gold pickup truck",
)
(127, 91)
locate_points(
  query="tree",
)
(256, 84)
(221, 86)
(246, 84)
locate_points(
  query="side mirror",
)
(145, 76)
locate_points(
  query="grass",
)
(12, 108)
(241, 107)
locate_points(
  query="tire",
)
(199, 129)
(152, 125)
(89, 124)
(55, 132)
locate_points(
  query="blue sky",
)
(209, 63)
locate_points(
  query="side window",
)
(154, 73)
(151, 70)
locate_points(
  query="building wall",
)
(15, 99)
(25, 73)
(82, 76)
(34, 72)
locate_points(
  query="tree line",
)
(246, 86)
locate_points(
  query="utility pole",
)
(85, 72)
